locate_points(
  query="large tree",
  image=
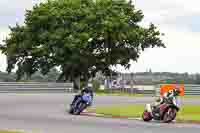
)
(81, 36)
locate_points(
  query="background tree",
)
(82, 37)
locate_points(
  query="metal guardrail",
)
(190, 89)
(50, 87)
(131, 91)
(35, 87)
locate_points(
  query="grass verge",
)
(138, 95)
(3, 131)
(119, 94)
(191, 97)
(187, 112)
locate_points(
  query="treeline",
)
(156, 77)
(52, 76)
(169, 77)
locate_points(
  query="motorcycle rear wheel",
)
(71, 110)
(146, 116)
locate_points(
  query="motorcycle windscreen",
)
(86, 98)
(168, 87)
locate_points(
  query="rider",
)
(170, 95)
(87, 89)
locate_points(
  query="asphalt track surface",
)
(46, 113)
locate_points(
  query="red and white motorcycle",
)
(167, 111)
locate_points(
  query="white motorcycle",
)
(167, 111)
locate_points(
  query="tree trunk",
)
(86, 79)
(76, 82)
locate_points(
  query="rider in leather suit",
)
(87, 89)
(168, 96)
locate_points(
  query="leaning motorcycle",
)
(80, 104)
(167, 111)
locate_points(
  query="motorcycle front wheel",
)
(169, 115)
(80, 108)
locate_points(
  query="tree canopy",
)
(81, 37)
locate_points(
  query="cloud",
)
(181, 55)
(11, 12)
(178, 14)
(3, 63)
(178, 19)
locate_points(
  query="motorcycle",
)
(80, 104)
(167, 111)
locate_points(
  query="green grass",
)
(190, 112)
(119, 94)
(3, 131)
(187, 112)
(138, 95)
(121, 110)
(191, 97)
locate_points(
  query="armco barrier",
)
(190, 89)
(131, 91)
(154, 90)
(35, 87)
(50, 87)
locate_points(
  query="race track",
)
(46, 113)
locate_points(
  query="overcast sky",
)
(178, 19)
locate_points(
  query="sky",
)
(177, 19)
